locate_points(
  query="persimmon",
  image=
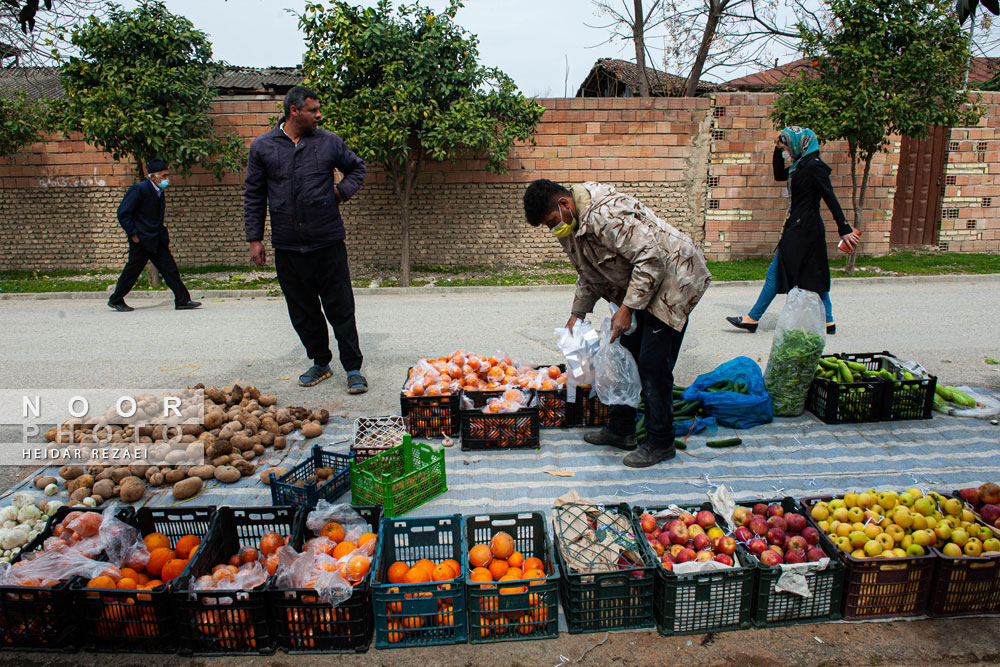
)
(186, 544)
(333, 530)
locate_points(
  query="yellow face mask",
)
(563, 230)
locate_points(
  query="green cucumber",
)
(729, 442)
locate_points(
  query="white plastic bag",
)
(579, 347)
(616, 375)
(799, 339)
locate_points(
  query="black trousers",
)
(655, 347)
(315, 283)
(138, 256)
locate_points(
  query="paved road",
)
(948, 324)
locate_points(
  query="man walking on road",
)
(290, 173)
(623, 252)
(141, 216)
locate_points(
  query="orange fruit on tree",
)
(156, 541)
(270, 543)
(533, 564)
(502, 545)
(480, 556)
(186, 544)
(333, 530)
(516, 559)
(157, 559)
(173, 568)
(343, 549)
(397, 571)
(498, 568)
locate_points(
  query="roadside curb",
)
(440, 290)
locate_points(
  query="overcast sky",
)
(530, 40)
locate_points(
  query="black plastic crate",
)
(597, 601)
(419, 614)
(771, 608)
(880, 587)
(212, 622)
(700, 602)
(293, 489)
(139, 621)
(431, 416)
(507, 612)
(589, 409)
(517, 430)
(846, 402)
(902, 399)
(553, 409)
(305, 624)
(44, 617)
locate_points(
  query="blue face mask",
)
(164, 183)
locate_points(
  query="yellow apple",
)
(866, 500)
(819, 512)
(991, 544)
(900, 553)
(959, 536)
(906, 542)
(888, 499)
(915, 550)
(922, 537)
(952, 550)
(841, 514)
(902, 518)
(825, 526)
(916, 493)
(943, 531)
(896, 533)
(973, 547)
(857, 538)
(843, 544)
(858, 553)
(906, 498)
(850, 499)
(885, 542)
(967, 515)
(856, 514)
(931, 522)
(919, 522)
(844, 529)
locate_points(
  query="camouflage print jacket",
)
(624, 253)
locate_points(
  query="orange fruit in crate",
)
(514, 396)
(156, 541)
(357, 568)
(508, 590)
(270, 543)
(454, 565)
(397, 572)
(223, 575)
(157, 559)
(516, 559)
(395, 633)
(445, 616)
(332, 531)
(498, 568)
(186, 544)
(481, 575)
(249, 555)
(442, 572)
(101, 582)
(127, 584)
(480, 556)
(129, 573)
(272, 563)
(343, 549)
(153, 583)
(527, 626)
(413, 622)
(172, 569)
(516, 572)
(502, 545)
(426, 564)
(416, 575)
(554, 372)
(533, 564)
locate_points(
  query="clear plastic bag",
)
(799, 338)
(616, 375)
(579, 347)
(121, 542)
(248, 577)
(56, 564)
(348, 518)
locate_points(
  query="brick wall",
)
(58, 197)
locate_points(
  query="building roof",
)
(980, 71)
(41, 82)
(611, 77)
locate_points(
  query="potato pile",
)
(240, 424)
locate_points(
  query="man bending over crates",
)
(623, 252)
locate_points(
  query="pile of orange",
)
(424, 571)
(472, 372)
(265, 554)
(498, 565)
(342, 552)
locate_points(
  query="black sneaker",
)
(315, 375)
(356, 383)
(120, 307)
(647, 455)
(606, 437)
(190, 305)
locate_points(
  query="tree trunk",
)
(711, 23)
(858, 203)
(638, 37)
(404, 262)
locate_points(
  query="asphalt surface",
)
(949, 324)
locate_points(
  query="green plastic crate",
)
(714, 601)
(400, 478)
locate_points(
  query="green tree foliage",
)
(884, 67)
(405, 86)
(139, 90)
(21, 119)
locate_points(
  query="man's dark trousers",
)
(318, 278)
(138, 256)
(655, 347)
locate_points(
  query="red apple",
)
(727, 546)
(797, 543)
(811, 535)
(656, 532)
(724, 559)
(667, 558)
(742, 515)
(702, 541)
(679, 533)
(685, 555)
(778, 550)
(795, 556)
(667, 566)
(774, 509)
(757, 545)
(770, 558)
(989, 494)
(758, 526)
(761, 509)
(970, 496)
(705, 519)
(675, 549)
(647, 523)
(997, 524)
(658, 548)
(796, 522)
(687, 518)
(776, 536)
(777, 522)
(814, 554)
(743, 534)
(664, 538)
(990, 513)
(704, 556)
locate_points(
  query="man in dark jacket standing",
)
(290, 173)
(141, 216)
